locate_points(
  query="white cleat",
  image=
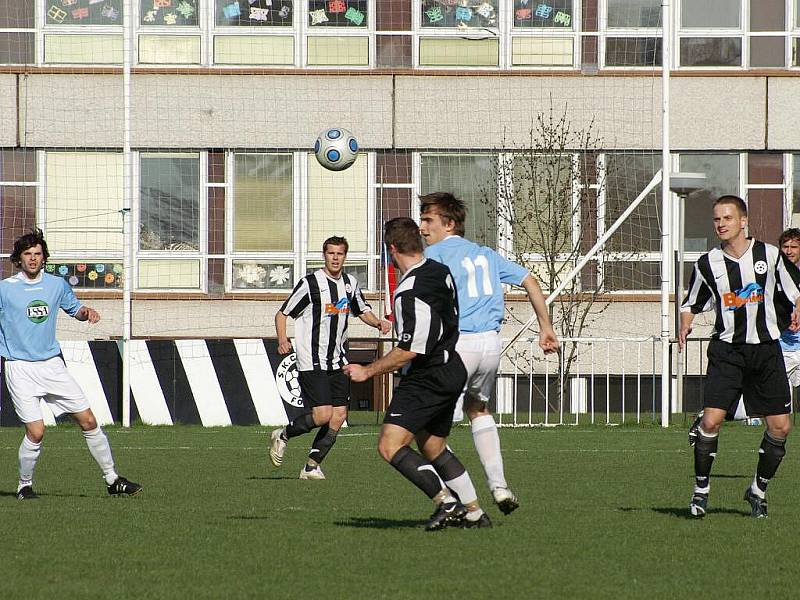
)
(315, 473)
(505, 499)
(277, 447)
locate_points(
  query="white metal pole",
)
(666, 213)
(127, 215)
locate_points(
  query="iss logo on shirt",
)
(342, 307)
(38, 311)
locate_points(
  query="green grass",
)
(603, 516)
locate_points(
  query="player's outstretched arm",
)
(391, 362)
(548, 340)
(372, 320)
(87, 314)
(284, 345)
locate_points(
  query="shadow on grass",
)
(271, 478)
(379, 523)
(724, 476)
(49, 495)
(683, 512)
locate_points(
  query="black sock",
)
(302, 424)
(418, 471)
(323, 442)
(770, 455)
(705, 449)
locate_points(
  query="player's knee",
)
(86, 420)
(338, 417)
(322, 414)
(780, 430)
(35, 434)
(386, 449)
(709, 425)
(476, 408)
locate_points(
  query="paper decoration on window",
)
(161, 4)
(523, 2)
(109, 278)
(485, 10)
(63, 270)
(283, 12)
(100, 267)
(187, 10)
(80, 267)
(463, 13)
(337, 6)
(96, 1)
(69, 2)
(523, 13)
(434, 14)
(449, 2)
(355, 16)
(544, 11)
(56, 14)
(279, 275)
(318, 16)
(110, 12)
(231, 11)
(73, 281)
(563, 18)
(92, 275)
(259, 14)
(149, 17)
(80, 13)
(171, 19)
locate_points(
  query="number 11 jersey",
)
(479, 273)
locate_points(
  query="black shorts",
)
(425, 399)
(324, 388)
(755, 371)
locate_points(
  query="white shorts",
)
(480, 353)
(792, 362)
(48, 380)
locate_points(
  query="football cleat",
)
(694, 427)
(124, 487)
(758, 506)
(26, 493)
(446, 514)
(277, 447)
(484, 522)
(697, 507)
(315, 473)
(505, 499)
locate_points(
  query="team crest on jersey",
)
(38, 311)
(760, 267)
(348, 288)
(752, 293)
(342, 307)
(288, 379)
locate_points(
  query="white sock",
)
(28, 455)
(462, 485)
(755, 489)
(474, 515)
(101, 452)
(487, 443)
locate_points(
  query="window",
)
(169, 32)
(456, 34)
(17, 33)
(18, 184)
(548, 28)
(795, 219)
(338, 33)
(83, 32)
(257, 32)
(633, 38)
(711, 33)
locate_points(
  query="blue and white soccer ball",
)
(336, 149)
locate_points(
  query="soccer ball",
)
(336, 149)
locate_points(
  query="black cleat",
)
(484, 522)
(694, 428)
(506, 500)
(27, 493)
(697, 507)
(758, 506)
(446, 514)
(124, 487)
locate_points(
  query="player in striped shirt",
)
(320, 304)
(745, 282)
(480, 274)
(34, 367)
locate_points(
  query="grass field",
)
(603, 516)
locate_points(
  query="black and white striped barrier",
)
(209, 382)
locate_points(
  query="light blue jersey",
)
(790, 341)
(479, 273)
(28, 311)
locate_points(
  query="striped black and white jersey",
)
(749, 294)
(426, 314)
(320, 306)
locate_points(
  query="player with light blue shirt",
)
(480, 273)
(35, 369)
(789, 243)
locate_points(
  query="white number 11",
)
(472, 285)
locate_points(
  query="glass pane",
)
(169, 274)
(85, 12)
(95, 275)
(556, 13)
(17, 165)
(170, 13)
(722, 177)
(626, 176)
(393, 51)
(795, 190)
(764, 168)
(263, 275)
(767, 15)
(797, 13)
(357, 270)
(634, 13)
(710, 14)
(263, 201)
(83, 49)
(169, 199)
(254, 49)
(169, 49)
(796, 52)
(473, 178)
(338, 13)
(392, 16)
(633, 52)
(17, 48)
(347, 192)
(254, 13)
(767, 52)
(457, 52)
(543, 207)
(632, 276)
(450, 13)
(17, 13)
(335, 50)
(711, 52)
(541, 51)
(17, 214)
